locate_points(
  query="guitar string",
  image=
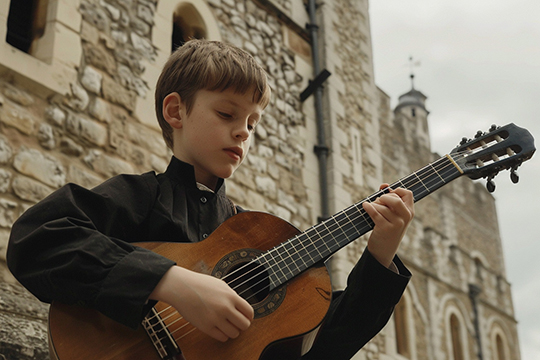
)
(361, 213)
(350, 221)
(330, 229)
(324, 239)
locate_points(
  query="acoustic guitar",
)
(278, 269)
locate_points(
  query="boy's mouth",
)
(235, 152)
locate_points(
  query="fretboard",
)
(317, 243)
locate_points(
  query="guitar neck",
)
(317, 243)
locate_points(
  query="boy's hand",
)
(208, 303)
(391, 214)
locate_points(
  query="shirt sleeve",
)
(74, 247)
(358, 313)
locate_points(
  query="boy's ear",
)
(172, 110)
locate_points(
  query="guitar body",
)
(286, 319)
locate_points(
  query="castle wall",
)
(80, 109)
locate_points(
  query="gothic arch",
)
(498, 327)
(479, 257)
(499, 344)
(197, 15)
(404, 328)
(456, 333)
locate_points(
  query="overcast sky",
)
(479, 65)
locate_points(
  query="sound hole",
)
(250, 280)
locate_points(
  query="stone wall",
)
(96, 128)
(89, 116)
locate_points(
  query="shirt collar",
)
(183, 172)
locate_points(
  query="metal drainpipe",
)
(320, 149)
(474, 291)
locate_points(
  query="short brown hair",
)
(208, 65)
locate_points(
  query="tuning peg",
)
(490, 185)
(493, 128)
(514, 176)
(464, 141)
(479, 133)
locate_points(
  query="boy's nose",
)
(242, 131)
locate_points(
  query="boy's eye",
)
(224, 115)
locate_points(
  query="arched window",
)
(499, 348)
(455, 334)
(26, 23)
(401, 325)
(187, 24)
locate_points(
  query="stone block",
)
(23, 324)
(41, 167)
(107, 165)
(87, 129)
(5, 179)
(115, 93)
(19, 96)
(100, 109)
(266, 186)
(55, 115)
(79, 98)
(4, 238)
(46, 136)
(18, 117)
(91, 80)
(70, 147)
(30, 190)
(147, 138)
(5, 150)
(100, 58)
(8, 213)
(82, 177)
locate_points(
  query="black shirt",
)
(76, 246)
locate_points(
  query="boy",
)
(75, 246)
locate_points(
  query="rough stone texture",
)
(93, 132)
(41, 167)
(23, 324)
(18, 117)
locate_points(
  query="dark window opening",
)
(413, 112)
(402, 338)
(26, 23)
(187, 24)
(455, 333)
(178, 38)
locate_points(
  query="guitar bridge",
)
(161, 337)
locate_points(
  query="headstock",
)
(501, 148)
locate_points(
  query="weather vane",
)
(412, 65)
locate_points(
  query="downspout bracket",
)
(314, 84)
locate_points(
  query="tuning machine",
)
(494, 127)
(490, 185)
(514, 176)
(464, 141)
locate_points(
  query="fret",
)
(301, 250)
(273, 269)
(284, 261)
(322, 240)
(293, 255)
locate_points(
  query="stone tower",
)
(76, 105)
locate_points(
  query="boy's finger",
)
(218, 334)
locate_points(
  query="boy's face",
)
(216, 135)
